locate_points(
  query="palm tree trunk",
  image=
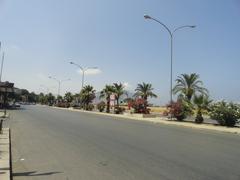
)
(117, 102)
(145, 103)
(189, 97)
(199, 117)
(86, 106)
(108, 105)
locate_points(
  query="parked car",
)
(14, 105)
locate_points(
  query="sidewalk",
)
(163, 120)
(4, 155)
(2, 115)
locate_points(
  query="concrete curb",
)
(161, 120)
(5, 169)
(2, 115)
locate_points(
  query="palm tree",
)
(202, 103)
(189, 85)
(145, 90)
(106, 93)
(87, 95)
(50, 98)
(76, 98)
(59, 98)
(68, 97)
(41, 98)
(119, 91)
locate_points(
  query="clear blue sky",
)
(40, 37)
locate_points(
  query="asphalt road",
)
(58, 144)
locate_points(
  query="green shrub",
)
(89, 107)
(119, 110)
(226, 114)
(101, 106)
(63, 104)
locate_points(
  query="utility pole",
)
(3, 55)
(2, 61)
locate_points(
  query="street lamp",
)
(59, 82)
(171, 33)
(3, 55)
(83, 70)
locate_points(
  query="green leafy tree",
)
(106, 93)
(87, 95)
(145, 90)
(188, 85)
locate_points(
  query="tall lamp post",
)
(3, 55)
(171, 33)
(59, 83)
(83, 70)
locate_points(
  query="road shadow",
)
(34, 173)
(4, 169)
(12, 109)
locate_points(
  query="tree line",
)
(192, 99)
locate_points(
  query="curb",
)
(4, 116)
(164, 121)
(5, 155)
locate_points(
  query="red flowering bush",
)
(140, 106)
(180, 109)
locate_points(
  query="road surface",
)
(49, 143)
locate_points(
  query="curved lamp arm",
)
(149, 17)
(181, 27)
(169, 31)
(77, 65)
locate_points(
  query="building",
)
(6, 88)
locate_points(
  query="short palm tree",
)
(49, 98)
(119, 91)
(202, 103)
(87, 95)
(76, 98)
(59, 98)
(188, 85)
(106, 93)
(41, 98)
(145, 90)
(68, 97)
